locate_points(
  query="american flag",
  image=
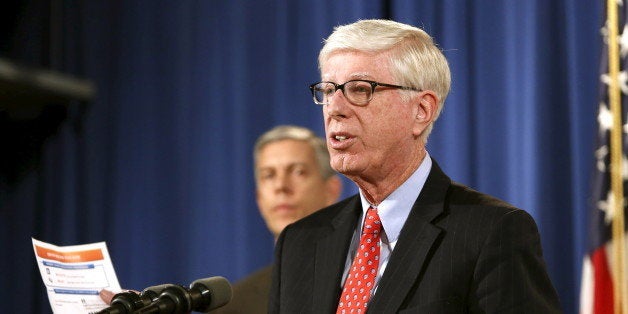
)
(603, 287)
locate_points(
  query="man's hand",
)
(107, 295)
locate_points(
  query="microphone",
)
(129, 301)
(203, 296)
(153, 292)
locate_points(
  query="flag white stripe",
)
(586, 287)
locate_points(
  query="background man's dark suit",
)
(250, 295)
(460, 251)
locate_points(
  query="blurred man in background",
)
(293, 179)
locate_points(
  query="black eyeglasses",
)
(358, 92)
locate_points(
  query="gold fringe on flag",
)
(617, 184)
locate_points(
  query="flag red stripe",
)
(602, 283)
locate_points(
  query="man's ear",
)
(425, 111)
(333, 188)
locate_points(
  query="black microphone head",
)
(123, 303)
(153, 292)
(217, 288)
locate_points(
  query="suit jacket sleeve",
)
(510, 276)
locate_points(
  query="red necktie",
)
(361, 279)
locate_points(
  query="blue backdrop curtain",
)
(159, 164)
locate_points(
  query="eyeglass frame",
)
(341, 87)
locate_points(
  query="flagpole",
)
(614, 93)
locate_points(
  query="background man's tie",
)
(361, 279)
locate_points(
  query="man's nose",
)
(337, 103)
(283, 182)
(337, 93)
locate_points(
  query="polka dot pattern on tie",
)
(361, 279)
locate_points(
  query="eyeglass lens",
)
(357, 92)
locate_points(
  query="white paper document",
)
(74, 275)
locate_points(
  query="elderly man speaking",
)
(411, 240)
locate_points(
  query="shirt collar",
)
(394, 209)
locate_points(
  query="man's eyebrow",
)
(360, 75)
(291, 164)
(355, 76)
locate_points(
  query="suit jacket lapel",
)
(331, 254)
(415, 241)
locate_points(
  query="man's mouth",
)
(340, 140)
(284, 207)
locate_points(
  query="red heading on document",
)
(69, 257)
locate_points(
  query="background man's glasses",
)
(358, 92)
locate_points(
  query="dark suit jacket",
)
(459, 251)
(250, 295)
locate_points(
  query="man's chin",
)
(345, 164)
